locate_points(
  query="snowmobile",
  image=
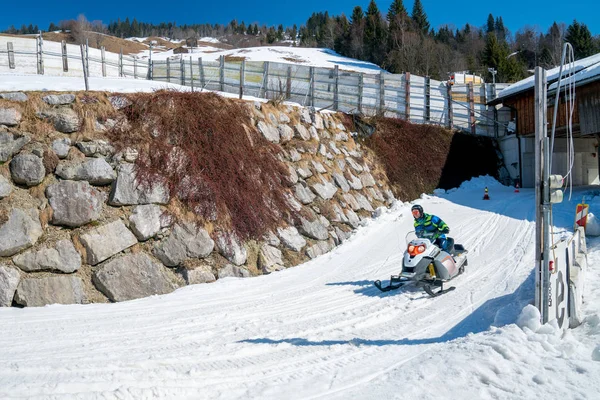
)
(427, 265)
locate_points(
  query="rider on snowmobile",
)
(431, 226)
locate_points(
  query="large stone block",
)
(59, 99)
(105, 241)
(291, 238)
(9, 281)
(185, 241)
(27, 169)
(231, 247)
(21, 231)
(61, 257)
(313, 229)
(74, 203)
(14, 96)
(38, 292)
(11, 144)
(270, 259)
(96, 171)
(10, 116)
(127, 190)
(5, 187)
(269, 132)
(65, 120)
(133, 276)
(145, 221)
(198, 275)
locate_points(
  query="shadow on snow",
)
(496, 312)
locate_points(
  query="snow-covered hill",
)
(322, 330)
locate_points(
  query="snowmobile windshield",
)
(412, 235)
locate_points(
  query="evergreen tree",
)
(580, 38)
(500, 29)
(396, 10)
(355, 38)
(374, 34)
(491, 26)
(52, 27)
(420, 18)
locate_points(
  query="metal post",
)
(407, 97)
(201, 68)
(242, 77)
(83, 61)
(336, 78)
(168, 70)
(103, 59)
(11, 55)
(361, 79)
(472, 108)
(427, 99)
(311, 89)
(192, 73)
(87, 56)
(450, 109)
(222, 73)
(65, 60)
(541, 190)
(40, 54)
(381, 93)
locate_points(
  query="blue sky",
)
(515, 13)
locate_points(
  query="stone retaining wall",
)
(76, 227)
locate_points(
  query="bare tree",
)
(80, 29)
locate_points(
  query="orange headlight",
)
(415, 250)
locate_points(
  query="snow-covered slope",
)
(322, 330)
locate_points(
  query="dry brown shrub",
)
(413, 155)
(200, 145)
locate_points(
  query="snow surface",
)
(585, 68)
(314, 57)
(322, 330)
(13, 82)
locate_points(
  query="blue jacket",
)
(431, 225)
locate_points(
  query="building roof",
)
(587, 70)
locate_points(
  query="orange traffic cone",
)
(486, 196)
(517, 188)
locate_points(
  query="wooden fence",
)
(415, 98)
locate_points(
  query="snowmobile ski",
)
(395, 283)
(427, 289)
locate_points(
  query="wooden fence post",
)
(168, 70)
(472, 108)
(336, 78)
(87, 57)
(407, 97)
(40, 54)
(311, 89)
(265, 80)
(121, 62)
(222, 73)
(65, 61)
(242, 77)
(192, 73)
(427, 116)
(182, 71)
(450, 105)
(201, 68)
(11, 55)
(361, 79)
(103, 58)
(84, 62)
(288, 82)
(381, 93)
(134, 68)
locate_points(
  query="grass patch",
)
(213, 161)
